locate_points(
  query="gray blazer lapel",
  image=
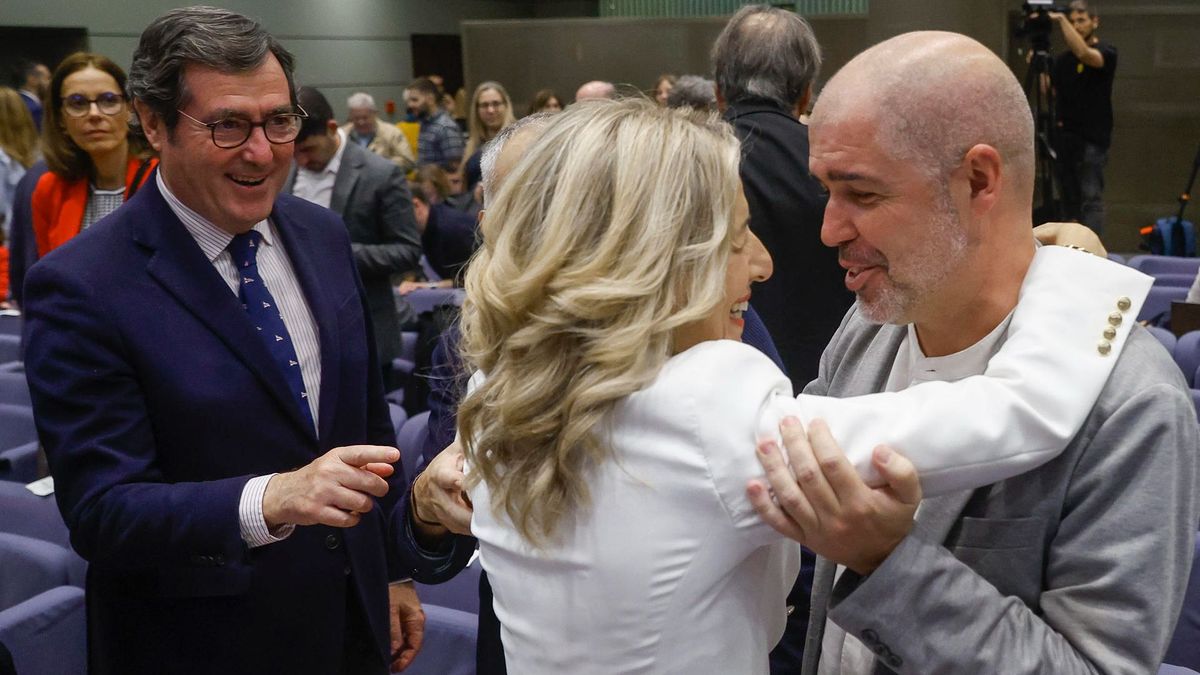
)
(289, 185)
(818, 610)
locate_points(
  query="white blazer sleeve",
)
(1025, 408)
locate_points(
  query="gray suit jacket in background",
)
(371, 195)
(1078, 566)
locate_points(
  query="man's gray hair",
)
(487, 163)
(693, 91)
(766, 52)
(361, 100)
(206, 36)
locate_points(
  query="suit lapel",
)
(298, 239)
(289, 185)
(347, 176)
(181, 268)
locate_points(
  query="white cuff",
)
(250, 515)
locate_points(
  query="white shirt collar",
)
(212, 240)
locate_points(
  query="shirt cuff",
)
(254, 527)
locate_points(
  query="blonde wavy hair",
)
(477, 131)
(18, 136)
(610, 232)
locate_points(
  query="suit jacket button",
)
(346, 569)
(870, 637)
(790, 609)
(1124, 303)
(894, 661)
(219, 559)
(331, 542)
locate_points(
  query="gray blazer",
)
(1078, 566)
(371, 195)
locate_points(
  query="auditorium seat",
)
(1157, 308)
(14, 390)
(26, 514)
(47, 634)
(425, 299)
(411, 440)
(10, 348)
(461, 592)
(1187, 355)
(1117, 258)
(1165, 264)
(399, 417)
(1166, 279)
(1164, 336)
(449, 647)
(19, 464)
(1185, 643)
(30, 566)
(10, 324)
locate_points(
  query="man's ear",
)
(721, 104)
(153, 126)
(985, 174)
(332, 126)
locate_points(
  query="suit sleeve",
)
(1066, 302)
(93, 422)
(1114, 576)
(398, 249)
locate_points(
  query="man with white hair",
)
(925, 143)
(385, 140)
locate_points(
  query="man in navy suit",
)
(206, 387)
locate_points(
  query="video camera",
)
(1037, 24)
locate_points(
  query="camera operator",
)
(1083, 78)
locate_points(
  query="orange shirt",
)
(58, 205)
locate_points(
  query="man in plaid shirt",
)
(440, 140)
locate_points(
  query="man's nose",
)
(838, 226)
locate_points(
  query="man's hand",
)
(821, 501)
(407, 624)
(1070, 234)
(335, 489)
(438, 493)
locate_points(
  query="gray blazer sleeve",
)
(394, 246)
(1103, 595)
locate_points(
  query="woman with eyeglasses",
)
(95, 162)
(491, 111)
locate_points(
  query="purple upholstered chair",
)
(1156, 264)
(1185, 644)
(449, 647)
(1187, 355)
(411, 440)
(47, 634)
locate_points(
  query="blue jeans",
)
(1081, 171)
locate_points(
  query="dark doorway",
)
(44, 45)
(440, 55)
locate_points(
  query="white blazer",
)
(670, 570)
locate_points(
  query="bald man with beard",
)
(925, 143)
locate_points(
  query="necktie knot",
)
(244, 248)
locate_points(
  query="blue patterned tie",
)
(266, 315)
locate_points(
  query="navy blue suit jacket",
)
(156, 402)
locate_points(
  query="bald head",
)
(506, 148)
(933, 96)
(595, 89)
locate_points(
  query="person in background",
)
(693, 91)
(1083, 82)
(491, 111)
(95, 162)
(595, 89)
(385, 140)
(18, 150)
(545, 100)
(448, 238)
(662, 88)
(33, 83)
(440, 141)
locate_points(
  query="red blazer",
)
(58, 204)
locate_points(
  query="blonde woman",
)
(609, 431)
(491, 111)
(18, 148)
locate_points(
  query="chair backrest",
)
(1117, 258)
(461, 592)
(10, 324)
(16, 426)
(1174, 279)
(30, 566)
(411, 440)
(425, 299)
(10, 348)
(1157, 308)
(48, 632)
(26, 514)
(14, 389)
(1155, 264)
(399, 417)
(449, 645)
(1187, 355)
(1166, 337)
(1185, 643)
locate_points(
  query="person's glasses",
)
(232, 132)
(78, 105)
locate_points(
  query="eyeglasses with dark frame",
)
(108, 103)
(232, 132)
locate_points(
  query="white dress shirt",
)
(277, 273)
(317, 186)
